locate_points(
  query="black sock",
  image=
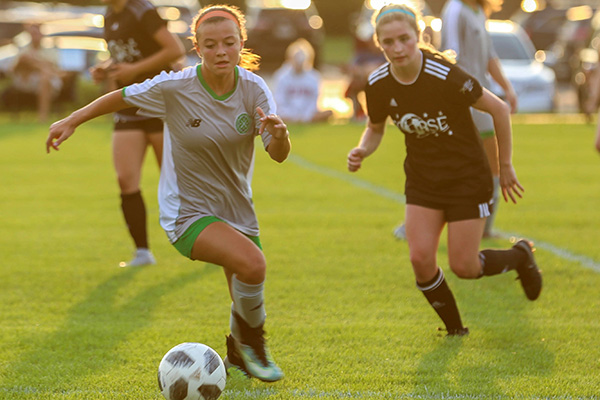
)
(134, 211)
(494, 262)
(442, 300)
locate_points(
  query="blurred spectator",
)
(367, 58)
(591, 104)
(297, 85)
(35, 73)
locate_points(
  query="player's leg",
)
(467, 262)
(490, 145)
(485, 126)
(129, 149)
(245, 269)
(423, 229)
(155, 139)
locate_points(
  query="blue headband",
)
(391, 10)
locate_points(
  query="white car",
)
(533, 82)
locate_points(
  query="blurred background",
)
(547, 48)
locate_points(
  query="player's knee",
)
(465, 269)
(420, 258)
(254, 268)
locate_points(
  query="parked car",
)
(588, 62)
(273, 25)
(533, 82)
(179, 15)
(572, 37)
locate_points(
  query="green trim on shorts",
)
(186, 242)
(487, 134)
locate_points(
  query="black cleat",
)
(529, 273)
(464, 331)
(233, 358)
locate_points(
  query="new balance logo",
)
(193, 123)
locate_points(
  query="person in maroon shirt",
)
(140, 46)
(448, 178)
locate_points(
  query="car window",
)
(509, 47)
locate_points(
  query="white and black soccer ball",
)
(191, 371)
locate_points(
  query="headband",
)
(217, 13)
(391, 10)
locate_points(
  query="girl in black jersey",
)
(140, 46)
(448, 179)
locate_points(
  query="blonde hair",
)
(248, 60)
(412, 16)
(490, 6)
(304, 46)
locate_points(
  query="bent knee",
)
(253, 268)
(466, 270)
(421, 260)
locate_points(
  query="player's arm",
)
(63, 129)
(500, 112)
(369, 142)
(170, 51)
(495, 69)
(279, 147)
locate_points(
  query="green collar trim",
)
(212, 92)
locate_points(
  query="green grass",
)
(345, 319)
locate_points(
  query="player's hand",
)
(59, 132)
(273, 124)
(511, 188)
(355, 158)
(123, 73)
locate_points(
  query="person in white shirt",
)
(298, 85)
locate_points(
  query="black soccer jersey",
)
(129, 34)
(445, 160)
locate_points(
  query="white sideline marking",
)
(383, 192)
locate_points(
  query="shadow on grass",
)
(86, 344)
(505, 348)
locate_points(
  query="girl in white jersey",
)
(448, 179)
(212, 114)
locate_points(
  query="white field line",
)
(585, 261)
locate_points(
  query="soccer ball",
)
(191, 371)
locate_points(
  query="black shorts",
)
(457, 212)
(148, 125)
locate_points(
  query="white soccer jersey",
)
(208, 154)
(464, 31)
(296, 94)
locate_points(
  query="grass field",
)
(345, 319)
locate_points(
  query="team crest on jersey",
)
(424, 126)
(243, 122)
(468, 86)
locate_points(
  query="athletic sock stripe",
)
(434, 285)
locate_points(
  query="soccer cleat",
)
(233, 362)
(529, 274)
(400, 232)
(252, 355)
(142, 257)
(464, 331)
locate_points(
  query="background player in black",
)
(448, 179)
(140, 46)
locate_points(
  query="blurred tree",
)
(338, 14)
